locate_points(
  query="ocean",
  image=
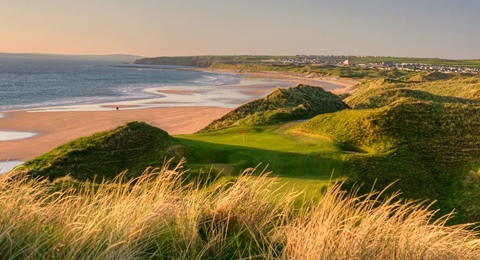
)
(50, 83)
(41, 82)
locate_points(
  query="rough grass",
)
(155, 216)
(426, 135)
(133, 146)
(382, 91)
(282, 105)
(354, 128)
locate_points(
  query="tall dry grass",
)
(347, 226)
(157, 216)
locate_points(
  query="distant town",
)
(308, 60)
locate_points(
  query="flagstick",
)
(243, 136)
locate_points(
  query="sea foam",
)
(8, 166)
(14, 135)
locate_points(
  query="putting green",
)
(299, 161)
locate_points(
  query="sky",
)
(151, 28)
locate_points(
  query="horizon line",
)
(219, 55)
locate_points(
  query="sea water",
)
(39, 82)
(8, 166)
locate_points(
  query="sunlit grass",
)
(157, 216)
(299, 161)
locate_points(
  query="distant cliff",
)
(194, 61)
(207, 61)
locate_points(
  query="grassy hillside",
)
(449, 88)
(425, 136)
(134, 146)
(297, 103)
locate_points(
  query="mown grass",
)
(157, 216)
(299, 160)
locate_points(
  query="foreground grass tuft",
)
(157, 216)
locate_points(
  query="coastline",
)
(174, 111)
(334, 85)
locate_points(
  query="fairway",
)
(299, 161)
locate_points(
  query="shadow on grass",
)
(312, 165)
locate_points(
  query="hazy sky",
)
(407, 28)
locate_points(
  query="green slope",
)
(299, 161)
(383, 91)
(132, 147)
(425, 138)
(282, 105)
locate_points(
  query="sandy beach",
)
(56, 128)
(334, 85)
(53, 128)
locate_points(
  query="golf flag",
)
(243, 132)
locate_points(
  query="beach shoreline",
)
(56, 128)
(58, 125)
(337, 85)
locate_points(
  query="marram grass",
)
(157, 216)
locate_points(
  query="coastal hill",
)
(282, 105)
(424, 136)
(133, 147)
(203, 61)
